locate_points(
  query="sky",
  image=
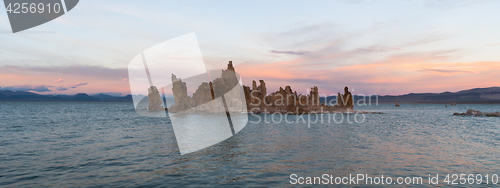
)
(373, 47)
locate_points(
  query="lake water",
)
(109, 145)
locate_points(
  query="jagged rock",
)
(155, 101)
(230, 66)
(345, 100)
(203, 94)
(212, 90)
(203, 99)
(226, 82)
(471, 112)
(179, 90)
(314, 96)
(247, 90)
(262, 87)
(287, 101)
(257, 95)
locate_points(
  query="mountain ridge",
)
(476, 96)
(20, 96)
(489, 95)
(470, 96)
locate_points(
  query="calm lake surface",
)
(109, 145)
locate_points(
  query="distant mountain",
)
(476, 96)
(7, 95)
(472, 96)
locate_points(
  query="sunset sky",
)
(374, 47)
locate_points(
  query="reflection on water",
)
(108, 144)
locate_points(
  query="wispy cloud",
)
(397, 74)
(303, 36)
(81, 70)
(493, 44)
(72, 86)
(61, 88)
(312, 28)
(379, 49)
(444, 5)
(97, 79)
(445, 71)
(299, 52)
(42, 88)
(78, 84)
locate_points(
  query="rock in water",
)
(284, 101)
(155, 101)
(345, 100)
(471, 112)
(182, 100)
(203, 99)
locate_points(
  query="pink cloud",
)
(58, 81)
(402, 74)
(103, 79)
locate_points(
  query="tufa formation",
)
(155, 102)
(203, 99)
(285, 101)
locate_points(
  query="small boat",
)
(397, 104)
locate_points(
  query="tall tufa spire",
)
(230, 66)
